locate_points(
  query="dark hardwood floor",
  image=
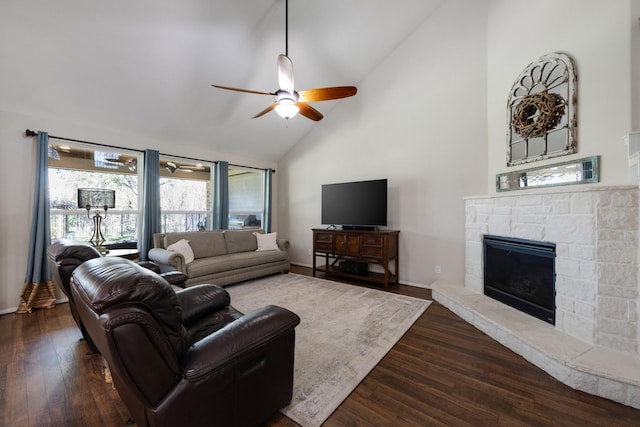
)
(443, 372)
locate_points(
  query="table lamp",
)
(98, 199)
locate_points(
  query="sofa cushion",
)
(240, 241)
(203, 243)
(206, 266)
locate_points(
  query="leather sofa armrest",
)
(283, 244)
(175, 278)
(199, 300)
(236, 339)
(173, 260)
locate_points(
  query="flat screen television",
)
(355, 205)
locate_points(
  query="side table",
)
(132, 254)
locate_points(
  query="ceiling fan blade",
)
(243, 90)
(285, 73)
(327, 93)
(265, 111)
(309, 112)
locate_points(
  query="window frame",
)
(235, 216)
(165, 174)
(137, 163)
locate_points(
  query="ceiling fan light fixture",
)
(288, 100)
(287, 108)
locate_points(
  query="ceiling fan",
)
(173, 168)
(288, 101)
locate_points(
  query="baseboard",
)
(13, 309)
(8, 310)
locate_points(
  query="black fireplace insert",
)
(521, 273)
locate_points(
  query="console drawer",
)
(372, 251)
(372, 241)
(324, 247)
(323, 242)
(372, 246)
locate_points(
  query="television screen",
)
(362, 203)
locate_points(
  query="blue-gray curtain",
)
(38, 290)
(151, 219)
(268, 184)
(221, 196)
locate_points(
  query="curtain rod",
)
(29, 132)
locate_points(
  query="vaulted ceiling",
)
(146, 66)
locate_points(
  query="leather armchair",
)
(185, 357)
(64, 256)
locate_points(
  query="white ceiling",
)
(146, 66)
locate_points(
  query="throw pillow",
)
(267, 242)
(182, 246)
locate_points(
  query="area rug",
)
(344, 332)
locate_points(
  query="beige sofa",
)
(220, 257)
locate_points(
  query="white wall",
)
(418, 120)
(597, 34)
(634, 23)
(17, 177)
(432, 119)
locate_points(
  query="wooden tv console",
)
(356, 246)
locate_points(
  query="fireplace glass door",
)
(521, 273)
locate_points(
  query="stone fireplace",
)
(594, 345)
(596, 233)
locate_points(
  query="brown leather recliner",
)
(185, 357)
(64, 256)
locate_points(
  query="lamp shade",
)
(96, 197)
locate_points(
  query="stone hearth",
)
(594, 346)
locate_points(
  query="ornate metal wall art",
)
(541, 111)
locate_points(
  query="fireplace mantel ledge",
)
(554, 190)
(596, 370)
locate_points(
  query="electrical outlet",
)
(438, 269)
(309, 252)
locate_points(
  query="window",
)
(246, 198)
(185, 195)
(73, 166)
